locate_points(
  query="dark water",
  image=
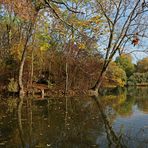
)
(119, 120)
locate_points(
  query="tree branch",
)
(67, 7)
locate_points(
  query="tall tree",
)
(142, 65)
(125, 21)
(28, 11)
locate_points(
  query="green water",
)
(115, 120)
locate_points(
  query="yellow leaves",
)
(23, 8)
(80, 23)
(42, 48)
(116, 74)
(115, 100)
(95, 19)
(127, 57)
(45, 47)
(75, 1)
(16, 50)
(87, 23)
(81, 46)
(142, 65)
(56, 9)
(73, 19)
(60, 29)
(91, 23)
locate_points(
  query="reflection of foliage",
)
(120, 103)
(8, 125)
(112, 137)
(8, 106)
(62, 123)
(2, 110)
(143, 105)
(12, 104)
(138, 92)
(114, 100)
(125, 109)
(142, 100)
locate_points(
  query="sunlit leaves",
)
(81, 46)
(116, 75)
(125, 62)
(23, 8)
(142, 65)
(138, 79)
(16, 50)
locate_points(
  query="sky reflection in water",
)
(77, 122)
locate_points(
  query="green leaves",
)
(125, 62)
(116, 74)
(138, 79)
(43, 40)
(142, 65)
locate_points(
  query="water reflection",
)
(20, 123)
(113, 139)
(110, 121)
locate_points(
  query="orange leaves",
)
(81, 46)
(135, 40)
(95, 19)
(23, 8)
(16, 50)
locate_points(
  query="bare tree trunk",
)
(99, 82)
(67, 61)
(67, 77)
(20, 82)
(95, 89)
(21, 87)
(49, 69)
(32, 67)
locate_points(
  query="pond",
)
(110, 121)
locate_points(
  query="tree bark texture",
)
(21, 68)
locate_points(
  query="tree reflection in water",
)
(68, 126)
(20, 123)
(113, 139)
(28, 117)
(76, 122)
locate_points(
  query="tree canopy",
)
(70, 34)
(142, 65)
(125, 62)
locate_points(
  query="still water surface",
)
(115, 120)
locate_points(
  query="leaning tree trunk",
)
(21, 87)
(95, 90)
(24, 54)
(99, 82)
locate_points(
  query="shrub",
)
(12, 86)
(137, 78)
